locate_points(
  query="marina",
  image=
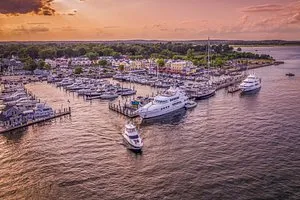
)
(217, 136)
(23, 109)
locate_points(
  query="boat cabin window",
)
(174, 104)
(133, 137)
(130, 130)
(165, 108)
(173, 99)
(160, 102)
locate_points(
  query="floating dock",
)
(230, 83)
(66, 111)
(123, 109)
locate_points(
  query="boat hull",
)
(131, 146)
(204, 96)
(253, 91)
(161, 113)
(249, 90)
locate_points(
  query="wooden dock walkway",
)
(66, 111)
(227, 84)
(122, 109)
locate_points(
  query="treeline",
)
(220, 53)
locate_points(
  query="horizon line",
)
(148, 40)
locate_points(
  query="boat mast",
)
(208, 51)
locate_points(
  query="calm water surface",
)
(229, 147)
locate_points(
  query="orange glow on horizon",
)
(150, 19)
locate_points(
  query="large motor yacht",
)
(132, 138)
(171, 100)
(251, 83)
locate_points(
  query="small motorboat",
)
(131, 138)
(290, 74)
(109, 95)
(128, 93)
(190, 104)
(204, 94)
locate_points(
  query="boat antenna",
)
(208, 51)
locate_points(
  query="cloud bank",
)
(16, 7)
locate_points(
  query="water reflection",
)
(250, 93)
(15, 136)
(172, 118)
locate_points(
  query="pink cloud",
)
(264, 8)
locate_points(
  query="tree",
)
(32, 52)
(30, 64)
(22, 53)
(92, 55)
(116, 55)
(196, 62)
(108, 51)
(121, 68)
(190, 54)
(69, 52)
(47, 67)
(160, 63)
(82, 51)
(47, 53)
(219, 62)
(41, 64)
(102, 63)
(78, 70)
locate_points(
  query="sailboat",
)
(206, 92)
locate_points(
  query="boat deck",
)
(66, 111)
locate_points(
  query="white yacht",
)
(15, 96)
(251, 83)
(132, 138)
(42, 111)
(171, 100)
(65, 82)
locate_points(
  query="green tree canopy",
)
(30, 64)
(190, 54)
(78, 70)
(102, 62)
(41, 64)
(92, 55)
(47, 53)
(160, 63)
(47, 67)
(121, 68)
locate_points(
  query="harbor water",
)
(228, 147)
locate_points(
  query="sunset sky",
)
(149, 19)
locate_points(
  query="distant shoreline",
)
(238, 43)
(269, 45)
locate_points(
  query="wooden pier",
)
(230, 83)
(66, 111)
(123, 109)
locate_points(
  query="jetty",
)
(60, 113)
(123, 109)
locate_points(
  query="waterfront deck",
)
(66, 111)
(123, 109)
(230, 83)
